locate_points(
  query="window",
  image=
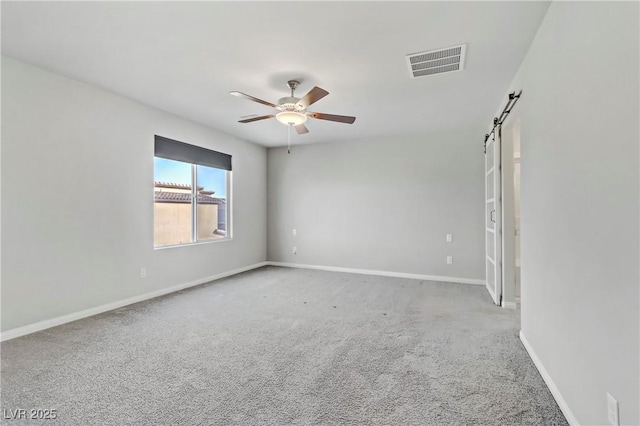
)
(191, 194)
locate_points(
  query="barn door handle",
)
(493, 216)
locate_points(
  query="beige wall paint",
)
(173, 223)
(207, 221)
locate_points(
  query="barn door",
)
(493, 221)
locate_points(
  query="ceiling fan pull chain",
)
(289, 139)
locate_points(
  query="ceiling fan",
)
(293, 111)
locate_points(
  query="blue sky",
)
(178, 172)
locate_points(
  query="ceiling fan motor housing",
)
(290, 103)
(293, 112)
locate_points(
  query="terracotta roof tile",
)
(175, 185)
(182, 197)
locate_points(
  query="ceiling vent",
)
(438, 61)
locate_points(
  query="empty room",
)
(320, 213)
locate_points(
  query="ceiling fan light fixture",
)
(291, 118)
(293, 111)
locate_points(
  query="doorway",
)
(511, 195)
(493, 221)
(502, 169)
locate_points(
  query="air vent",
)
(438, 61)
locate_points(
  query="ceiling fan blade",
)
(313, 96)
(252, 119)
(332, 117)
(301, 129)
(251, 98)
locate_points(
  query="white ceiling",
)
(185, 58)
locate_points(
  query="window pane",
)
(172, 207)
(212, 203)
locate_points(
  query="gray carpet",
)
(284, 346)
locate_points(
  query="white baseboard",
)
(43, 325)
(509, 305)
(564, 407)
(382, 273)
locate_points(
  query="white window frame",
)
(194, 212)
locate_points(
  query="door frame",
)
(512, 129)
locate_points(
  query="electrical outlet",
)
(612, 409)
(449, 260)
(449, 238)
(295, 250)
(143, 272)
(294, 232)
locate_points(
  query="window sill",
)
(196, 243)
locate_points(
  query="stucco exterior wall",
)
(173, 223)
(207, 221)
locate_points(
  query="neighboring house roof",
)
(176, 185)
(182, 197)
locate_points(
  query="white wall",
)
(580, 205)
(383, 204)
(77, 198)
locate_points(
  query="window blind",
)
(180, 151)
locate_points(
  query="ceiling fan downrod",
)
(293, 84)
